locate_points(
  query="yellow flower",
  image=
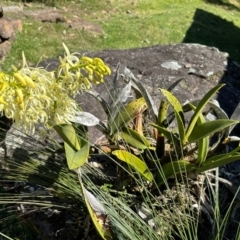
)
(33, 95)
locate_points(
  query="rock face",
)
(8, 28)
(201, 67)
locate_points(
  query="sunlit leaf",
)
(203, 144)
(127, 113)
(68, 134)
(235, 115)
(135, 162)
(178, 111)
(208, 128)
(76, 159)
(218, 161)
(86, 119)
(200, 107)
(162, 112)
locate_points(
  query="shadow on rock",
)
(228, 4)
(211, 30)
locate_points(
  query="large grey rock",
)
(159, 66)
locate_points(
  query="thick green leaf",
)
(218, 161)
(127, 113)
(203, 144)
(178, 112)
(200, 107)
(173, 168)
(168, 134)
(208, 128)
(162, 112)
(134, 138)
(76, 159)
(68, 133)
(135, 162)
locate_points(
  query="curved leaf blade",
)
(76, 159)
(200, 107)
(134, 138)
(168, 134)
(86, 119)
(127, 113)
(135, 162)
(68, 133)
(178, 112)
(218, 161)
(208, 128)
(203, 144)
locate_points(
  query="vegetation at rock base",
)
(154, 175)
(153, 160)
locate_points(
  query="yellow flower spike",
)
(71, 64)
(89, 70)
(2, 101)
(98, 77)
(98, 61)
(103, 69)
(107, 69)
(92, 67)
(91, 78)
(86, 59)
(79, 78)
(21, 106)
(87, 83)
(19, 95)
(29, 81)
(3, 86)
(20, 78)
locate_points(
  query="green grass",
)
(130, 24)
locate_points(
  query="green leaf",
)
(200, 107)
(135, 162)
(218, 161)
(162, 112)
(68, 134)
(76, 159)
(134, 138)
(127, 113)
(168, 134)
(173, 168)
(208, 128)
(178, 112)
(203, 143)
